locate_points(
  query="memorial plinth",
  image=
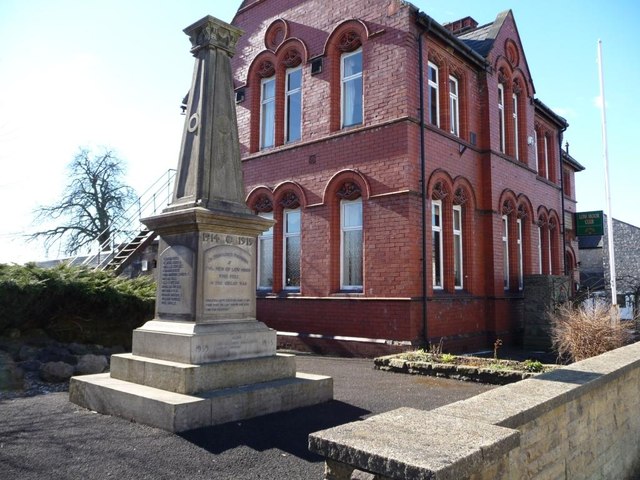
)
(204, 359)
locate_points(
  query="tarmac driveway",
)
(46, 437)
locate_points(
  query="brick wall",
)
(383, 157)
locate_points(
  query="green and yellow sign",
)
(589, 223)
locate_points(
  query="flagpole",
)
(612, 263)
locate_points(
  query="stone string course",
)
(579, 421)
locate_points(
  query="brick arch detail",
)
(524, 201)
(289, 44)
(440, 176)
(507, 196)
(461, 182)
(340, 178)
(290, 186)
(519, 75)
(273, 30)
(351, 24)
(502, 67)
(542, 214)
(258, 193)
(253, 72)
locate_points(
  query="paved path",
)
(46, 437)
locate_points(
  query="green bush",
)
(74, 303)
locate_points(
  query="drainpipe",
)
(564, 233)
(423, 182)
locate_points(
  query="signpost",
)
(589, 223)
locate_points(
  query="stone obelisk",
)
(205, 305)
(204, 359)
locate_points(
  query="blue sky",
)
(112, 73)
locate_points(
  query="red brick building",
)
(388, 234)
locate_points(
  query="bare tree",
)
(93, 198)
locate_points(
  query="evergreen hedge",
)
(74, 303)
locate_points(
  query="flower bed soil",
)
(466, 368)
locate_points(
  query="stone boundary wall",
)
(579, 421)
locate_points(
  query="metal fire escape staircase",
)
(127, 235)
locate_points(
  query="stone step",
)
(191, 379)
(177, 412)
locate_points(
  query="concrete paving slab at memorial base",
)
(176, 412)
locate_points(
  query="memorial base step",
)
(177, 412)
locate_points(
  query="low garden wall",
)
(579, 421)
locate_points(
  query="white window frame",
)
(343, 229)
(286, 236)
(454, 106)
(287, 95)
(264, 103)
(516, 148)
(546, 158)
(535, 149)
(437, 229)
(540, 249)
(266, 235)
(457, 240)
(433, 87)
(505, 251)
(344, 80)
(520, 256)
(549, 248)
(501, 117)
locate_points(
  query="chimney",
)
(461, 26)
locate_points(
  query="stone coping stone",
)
(410, 443)
(514, 405)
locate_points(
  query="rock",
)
(28, 352)
(90, 364)
(11, 376)
(56, 372)
(30, 365)
(78, 348)
(54, 353)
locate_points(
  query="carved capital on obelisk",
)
(210, 32)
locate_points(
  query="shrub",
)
(447, 358)
(74, 303)
(533, 366)
(579, 332)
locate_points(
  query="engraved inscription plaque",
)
(228, 286)
(175, 280)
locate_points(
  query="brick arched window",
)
(451, 234)
(276, 85)
(346, 56)
(544, 245)
(291, 213)
(261, 202)
(351, 236)
(462, 233)
(554, 244)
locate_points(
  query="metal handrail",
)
(124, 228)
